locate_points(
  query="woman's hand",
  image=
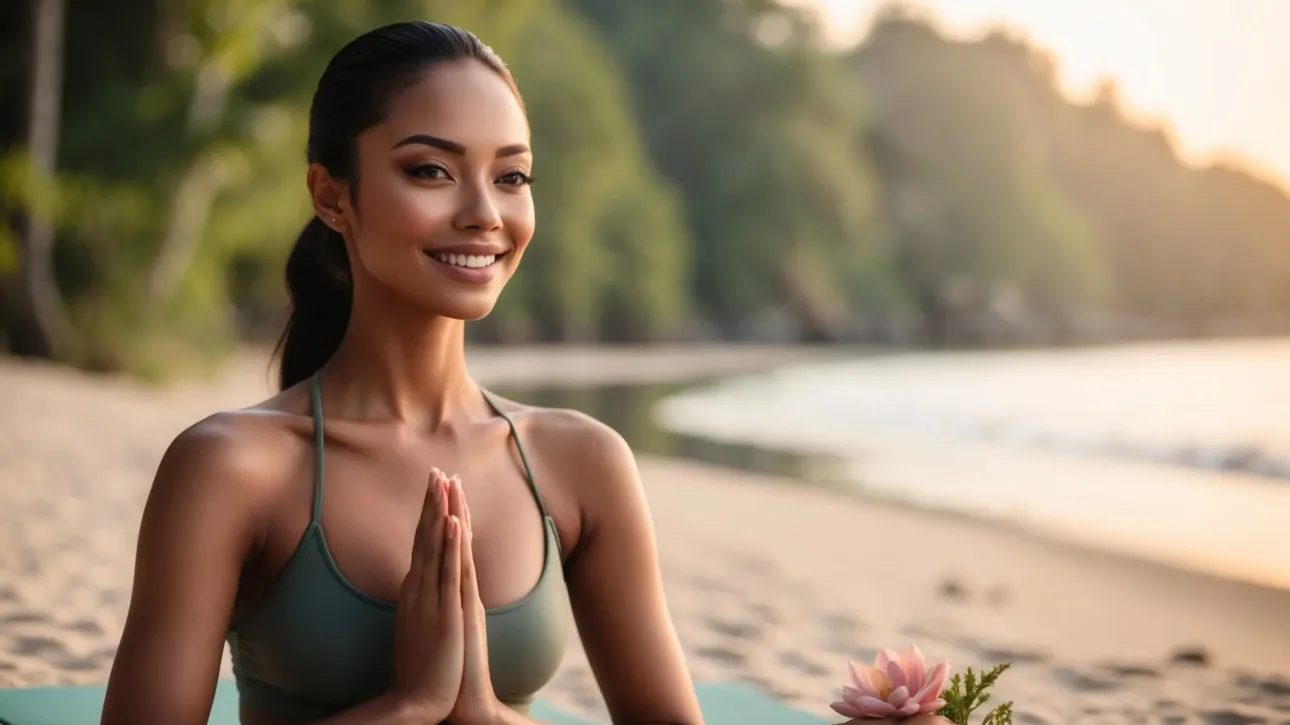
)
(429, 641)
(477, 704)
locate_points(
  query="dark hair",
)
(352, 96)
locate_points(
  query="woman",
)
(332, 551)
(329, 550)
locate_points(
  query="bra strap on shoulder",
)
(315, 396)
(515, 436)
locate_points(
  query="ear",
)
(330, 197)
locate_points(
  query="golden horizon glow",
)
(1207, 70)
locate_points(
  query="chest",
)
(370, 499)
(320, 645)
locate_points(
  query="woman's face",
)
(444, 206)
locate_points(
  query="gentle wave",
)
(1173, 451)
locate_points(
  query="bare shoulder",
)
(588, 471)
(236, 457)
(586, 452)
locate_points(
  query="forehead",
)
(463, 101)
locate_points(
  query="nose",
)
(477, 210)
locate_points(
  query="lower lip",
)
(469, 275)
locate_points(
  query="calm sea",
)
(1178, 452)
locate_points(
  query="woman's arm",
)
(617, 591)
(205, 515)
(198, 527)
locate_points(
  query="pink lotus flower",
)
(895, 686)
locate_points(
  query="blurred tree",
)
(762, 133)
(39, 324)
(179, 191)
(968, 199)
(705, 168)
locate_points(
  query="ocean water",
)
(1177, 452)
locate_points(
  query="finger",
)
(470, 601)
(417, 568)
(434, 531)
(450, 586)
(430, 506)
(412, 580)
(456, 499)
(470, 523)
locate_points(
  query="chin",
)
(466, 310)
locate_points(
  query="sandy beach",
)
(794, 582)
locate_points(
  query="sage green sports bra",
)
(318, 645)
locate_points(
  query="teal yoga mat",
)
(723, 704)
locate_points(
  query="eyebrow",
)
(453, 147)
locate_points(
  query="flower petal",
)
(861, 678)
(874, 706)
(909, 708)
(931, 705)
(915, 668)
(885, 656)
(876, 680)
(899, 697)
(851, 694)
(895, 674)
(846, 709)
(935, 682)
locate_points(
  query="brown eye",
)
(516, 178)
(427, 171)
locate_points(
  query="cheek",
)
(518, 217)
(401, 214)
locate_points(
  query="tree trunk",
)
(48, 328)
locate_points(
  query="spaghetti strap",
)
(316, 398)
(515, 436)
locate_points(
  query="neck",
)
(394, 363)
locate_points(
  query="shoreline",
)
(795, 580)
(970, 434)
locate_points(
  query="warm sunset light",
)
(850, 360)
(1210, 68)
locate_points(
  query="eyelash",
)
(421, 172)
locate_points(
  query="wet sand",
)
(794, 580)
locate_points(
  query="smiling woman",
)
(433, 576)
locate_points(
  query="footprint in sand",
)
(1085, 683)
(708, 584)
(37, 646)
(733, 629)
(1229, 717)
(803, 664)
(25, 618)
(1006, 654)
(1130, 670)
(86, 627)
(1274, 685)
(722, 655)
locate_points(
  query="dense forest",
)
(710, 171)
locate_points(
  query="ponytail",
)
(320, 286)
(353, 95)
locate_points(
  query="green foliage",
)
(967, 693)
(703, 165)
(761, 131)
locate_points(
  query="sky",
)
(1209, 69)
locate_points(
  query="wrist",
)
(494, 714)
(406, 710)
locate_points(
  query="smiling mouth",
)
(468, 261)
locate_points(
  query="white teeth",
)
(473, 261)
